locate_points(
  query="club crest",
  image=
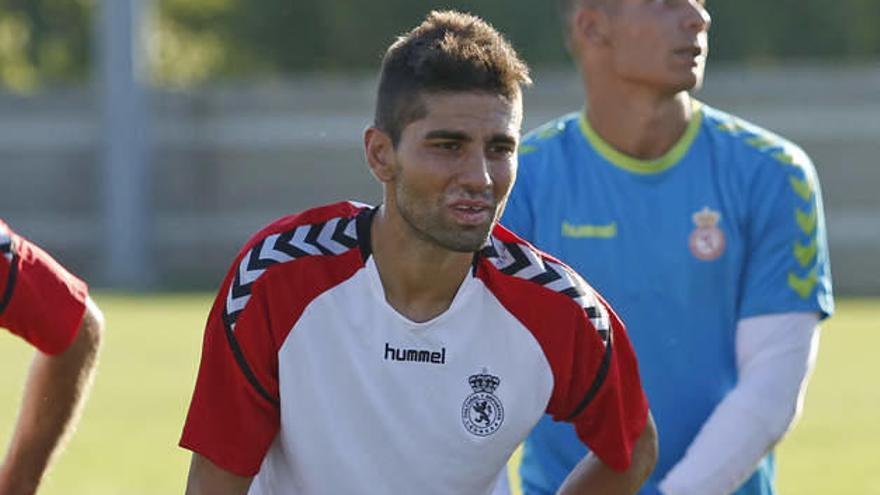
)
(707, 240)
(482, 412)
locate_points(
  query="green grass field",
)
(126, 443)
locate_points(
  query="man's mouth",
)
(471, 212)
(692, 51)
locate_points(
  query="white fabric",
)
(334, 362)
(502, 486)
(775, 356)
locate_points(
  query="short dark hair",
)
(448, 51)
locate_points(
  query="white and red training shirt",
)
(312, 382)
(40, 301)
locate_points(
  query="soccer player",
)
(704, 231)
(410, 347)
(50, 308)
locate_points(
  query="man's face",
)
(454, 167)
(661, 43)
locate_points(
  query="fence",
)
(228, 159)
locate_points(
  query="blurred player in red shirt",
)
(45, 305)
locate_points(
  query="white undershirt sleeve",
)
(775, 356)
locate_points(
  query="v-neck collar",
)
(364, 235)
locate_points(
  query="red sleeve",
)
(40, 301)
(596, 383)
(610, 407)
(234, 417)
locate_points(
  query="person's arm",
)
(56, 389)
(775, 356)
(206, 478)
(591, 475)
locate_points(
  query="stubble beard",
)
(427, 222)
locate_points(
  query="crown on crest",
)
(484, 382)
(706, 217)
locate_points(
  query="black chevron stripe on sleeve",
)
(312, 238)
(564, 281)
(521, 261)
(287, 246)
(283, 244)
(341, 237)
(547, 277)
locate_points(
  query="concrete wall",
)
(228, 159)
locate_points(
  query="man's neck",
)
(638, 124)
(420, 279)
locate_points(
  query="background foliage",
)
(190, 41)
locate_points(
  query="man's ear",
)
(590, 26)
(379, 151)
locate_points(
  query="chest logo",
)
(707, 240)
(482, 412)
(587, 231)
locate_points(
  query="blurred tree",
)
(348, 34)
(329, 35)
(44, 41)
(190, 41)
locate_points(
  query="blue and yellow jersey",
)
(727, 225)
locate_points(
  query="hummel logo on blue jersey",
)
(589, 231)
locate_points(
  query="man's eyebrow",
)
(451, 135)
(503, 138)
(448, 134)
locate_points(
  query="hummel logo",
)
(589, 231)
(416, 355)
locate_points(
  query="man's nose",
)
(474, 175)
(698, 17)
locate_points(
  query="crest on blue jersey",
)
(707, 241)
(482, 413)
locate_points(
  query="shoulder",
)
(317, 235)
(752, 144)
(322, 231)
(549, 136)
(536, 284)
(317, 227)
(545, 153)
